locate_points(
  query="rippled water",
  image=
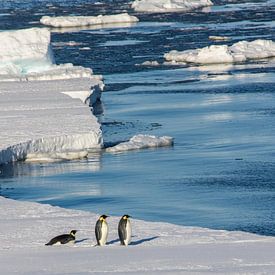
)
(220, 172)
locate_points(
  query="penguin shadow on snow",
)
(138, 242)
(82, 240)
(143, 240)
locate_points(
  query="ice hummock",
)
(169, 5)
(141, 142)
(82, 21)
(238, 52)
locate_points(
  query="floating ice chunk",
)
(80, 21)
(150, 63)
(142, 142)
(212, 54)
(238, 52)
(169, 5)
(218, 38)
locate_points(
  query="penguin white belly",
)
(129, 233)
(104, 233)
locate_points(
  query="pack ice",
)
(41, 103)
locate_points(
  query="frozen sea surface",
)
(220, 172)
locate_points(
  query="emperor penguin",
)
(63, 239)
(101, 230)
(124, 230)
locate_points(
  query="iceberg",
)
(214, 54)
(26, 55)
(82, 21)
(141, 142)
(154, 6)
(41, 113)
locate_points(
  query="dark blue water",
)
(220, 172)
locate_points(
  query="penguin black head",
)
(103, 217)
(126, 217)
(73, 232)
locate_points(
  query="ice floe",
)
(36, 117)
(153, 6)
(141, 142)
(41, 115)
(81, 21)
(238, 52)
(218, 38)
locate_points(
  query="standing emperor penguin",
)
(63, 239)
(125, 230)
(101, 230)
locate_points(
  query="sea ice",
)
(156, 247)
(81, 21)
(238, 52)
(169, 5)
(141, 142)
(41, 115)
(36, 117)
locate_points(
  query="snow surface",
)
(141, 142)
(169, 5)
(238, 52)
(81, 21)
(155, 248)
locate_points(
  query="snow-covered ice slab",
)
(81, 21)
(37, 117)
(238, 52)
(141, 142)
(155, 248)
(153, 6)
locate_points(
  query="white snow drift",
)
(38, 114)
(238, 52)
(141, 142)
(82, 21)
(155, 248)
(169, 5)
